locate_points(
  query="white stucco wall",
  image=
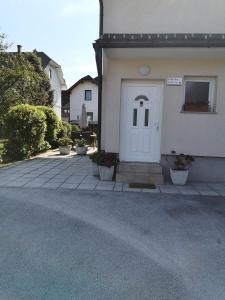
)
(77, 99)
(192, 133)
(164, 16)
(56, 87)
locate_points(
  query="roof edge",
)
(87, 78)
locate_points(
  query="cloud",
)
(80, 7)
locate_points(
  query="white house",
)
(161, 67)
(84, 91)
(55, 74)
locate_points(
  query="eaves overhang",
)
(112, 40)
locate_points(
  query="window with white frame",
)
(199, 94)
(90, 116)
(88, 95)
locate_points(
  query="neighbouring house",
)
(161, 67)
(55, 74)
(84, 91)
(54, 71)
(65, 106)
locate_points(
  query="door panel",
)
(140, 122)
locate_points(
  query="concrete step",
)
(137, 178)
(139, 173)
(140, 167)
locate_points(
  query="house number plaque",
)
(174, 81)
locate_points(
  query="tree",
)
(22, 79)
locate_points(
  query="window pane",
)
(146, 117)
(90, 116)
(135, 117)
(196, 96)
(88, 95)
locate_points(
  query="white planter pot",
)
(81, 150)
(106, 173)
(64, 150)
(95, 169)
(179, 177)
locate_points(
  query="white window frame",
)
(88, 116)
(212, 90)
(85, 93)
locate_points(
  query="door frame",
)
(161, 85)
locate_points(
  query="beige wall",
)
(192, 133)
(164, 16)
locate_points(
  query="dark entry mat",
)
(142, 186)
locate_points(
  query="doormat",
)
(142, 186)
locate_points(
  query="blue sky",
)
(63, 29)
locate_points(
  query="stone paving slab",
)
(75, 172)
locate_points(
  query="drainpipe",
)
(98, 56)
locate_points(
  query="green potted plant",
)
(180, 171)
(94, 159)
(107, 163)
(65, 145)
(81, 147)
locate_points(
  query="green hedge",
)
(65, 130)
(25, 131)
(53, 123)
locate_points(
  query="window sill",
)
(199, 112)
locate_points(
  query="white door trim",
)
(138, 83)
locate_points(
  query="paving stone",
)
(208, 193)
(75, 179)
(51, 185)
(33, 184)
(105, 186)
(118, 187)
(57, 180)
(189, 192)
(69, 186)
(90, 179)
(167, 189)
(151, 191)
(87, 186)
(16, 183)
(217, 186)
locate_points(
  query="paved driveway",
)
(75, 172)
(66, 244)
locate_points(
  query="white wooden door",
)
(140, 126)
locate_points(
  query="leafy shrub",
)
(75, 128)
(65, 141)
(81, 143)
(2, 128)
(182, 162)
(95, 157)
(65, 130)
(1, 151)
(53, 123)
(107, 159)
(25, 130)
